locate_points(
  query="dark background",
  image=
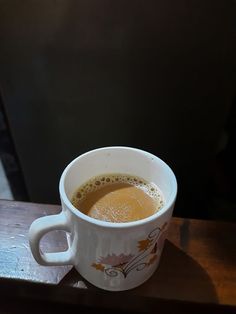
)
(157, 75)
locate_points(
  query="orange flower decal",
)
(98, 266)
(147, 254)
(144, 244)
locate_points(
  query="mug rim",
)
(107, 224)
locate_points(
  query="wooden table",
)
(197, 270)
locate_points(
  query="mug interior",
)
(124, 160)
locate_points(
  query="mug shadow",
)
(74, 279)
(178, 277)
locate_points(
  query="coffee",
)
(118, 198)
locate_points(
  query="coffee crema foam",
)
(118, 198)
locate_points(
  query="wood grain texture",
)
(198, 262)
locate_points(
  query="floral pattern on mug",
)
(148, 251)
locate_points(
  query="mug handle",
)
(38, 229)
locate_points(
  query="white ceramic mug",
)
(112, 256)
